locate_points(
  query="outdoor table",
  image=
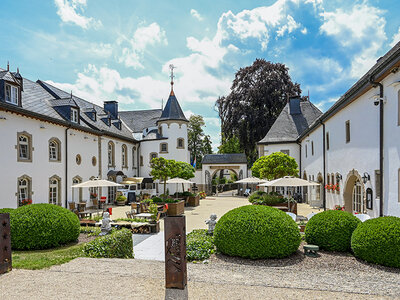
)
(81, 206)
(144, 215)
(89, 212)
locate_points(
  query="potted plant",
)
(193, 200)
(175, 207)
(302, 226)
(153, 210)
(121, 200)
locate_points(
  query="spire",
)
(172, 67)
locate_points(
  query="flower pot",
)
(176, 209)
(120, 203)
(302, 227)
(193, 200)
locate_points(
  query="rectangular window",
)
(327, 141)
(347, 131)
(74, 115)
(377, 183)
(11, 94)
(287, 152)
(312, 147)
(141, 160)
(306, 151)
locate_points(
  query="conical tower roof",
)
(172, 110)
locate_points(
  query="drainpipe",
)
(323, 165)
(381, 121)
(66, 166)
(138, 161)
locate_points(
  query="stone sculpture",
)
(105, 224)
(211, 223)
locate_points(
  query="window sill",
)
(54, 161)
(163, 152)
(24, 160)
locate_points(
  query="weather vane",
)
(172, 67)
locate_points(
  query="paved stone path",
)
(149, 247)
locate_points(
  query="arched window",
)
(111, 154)
(358, 198)
(76, 192)
(24, 147)
(180, 143)
(124, 156)
(54, 149)
(24, 184)
(163, 148)
(54, 190)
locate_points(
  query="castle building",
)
(52, 140)
(352, 149)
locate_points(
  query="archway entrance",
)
(354, 193)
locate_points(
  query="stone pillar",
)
(175, 252)
(5, 244)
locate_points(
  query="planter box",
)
(120, 203)
(193, 201)
(176, 209)
(302, 227)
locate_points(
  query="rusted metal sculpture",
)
(175, 252)
(5, 244)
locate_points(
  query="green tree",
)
(275, 165)
(198, 143)
(162, 169)
(185, 171)
(258, 94)
(231, 145)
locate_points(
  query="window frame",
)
(57, 192)
(76, 180)
(152, 154)
(327, 141)
(28, 144)
(111, 154)
(124, 156)
(182, 140)
(57, 150)
(377, 184)
(347, 131)
(74, 115)
(28, 188)
(312, 148)
(161, 148)
(13, 88)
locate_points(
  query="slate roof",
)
(172, 110)
(42, 99)
(235, 158)
(6, 75)
(139, 120)
(288, 127)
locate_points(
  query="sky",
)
(121, 50)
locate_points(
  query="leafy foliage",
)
(7, 211)
(231, 145)
(118, 244)
(199, 245)
(331, 230)
(256, 231)
(275, 165)
(263, 198)
(378, 241)
(258, 94)
(198, 143)
(90, 230)
(41, 226)
(185, 170)
(162, 168)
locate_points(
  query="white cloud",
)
(361, 31)
(68, 12)
(322, 104)
(289, 27)
(304, 30)
(142, 38)
(395, 38)
(196, 14)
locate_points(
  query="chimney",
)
(294, 105)
(8, 66)
(112, 108)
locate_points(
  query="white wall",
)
(294, 150)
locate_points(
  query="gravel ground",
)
(327, 277)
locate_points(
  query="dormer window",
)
(11, 94)
(74, 115)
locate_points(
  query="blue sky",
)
(120, 50)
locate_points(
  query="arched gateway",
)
(354, 193)
(212, 163)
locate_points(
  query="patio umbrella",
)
(178, 180)
(289, 181)
(251, 180)
(96, 183)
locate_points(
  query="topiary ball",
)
(41, 226)
(6, 211)
(257, 231)
(331, 230)
(378, 241)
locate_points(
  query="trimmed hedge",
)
(7, 211)
(331, 230)
(42, 226)
(255, 231)
(378, 241)
(118, 244)
(199, 245)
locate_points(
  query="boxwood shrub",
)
(256, 231)
(199, 245)
(331, 230)
(6, 211)
(378, 241)
(41, 226)
(118, 244)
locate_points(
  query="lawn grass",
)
(39, 259)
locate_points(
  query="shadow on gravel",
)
(378, 267)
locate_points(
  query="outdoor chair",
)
(292, 215)
(129, 215)
(246, 192)
(362, 217)
(72, 206)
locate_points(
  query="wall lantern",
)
(366, 177)
(338, 177)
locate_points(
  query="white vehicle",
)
(134, 186)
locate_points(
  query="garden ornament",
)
(105, 224)
(211, 223)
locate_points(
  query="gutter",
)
(299, 143)
(66, 166)
(381, 132)
(323, 165)
(138, 160)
